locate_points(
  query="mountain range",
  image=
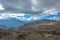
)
(33, 30)
(43, 25)
(11, 22)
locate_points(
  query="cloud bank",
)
(3, 15)
(31, 17)
(30, 5)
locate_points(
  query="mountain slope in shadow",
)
(11, 22)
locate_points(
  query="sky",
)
(30, 5)
(44, 9)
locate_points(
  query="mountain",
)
(11, 22)
(43, 25)
(41, 21)
(38, 30)
(44, 20)
(3, 27)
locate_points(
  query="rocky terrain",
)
(49, 30)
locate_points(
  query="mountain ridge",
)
(11, 22)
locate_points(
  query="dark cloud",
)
(22, 5)
(30, 6)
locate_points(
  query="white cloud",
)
(13, 15)
(1, 17)
(1, 8)
(33, 18)
(51, 11)
(24, 17)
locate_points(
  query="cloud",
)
(30, 5)
(1, 17)
(33, 18)
(13, 15)
(51, 11)
(45, 4)
(21, 5)
(1, 8)
(29, 17)
(23, 17)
